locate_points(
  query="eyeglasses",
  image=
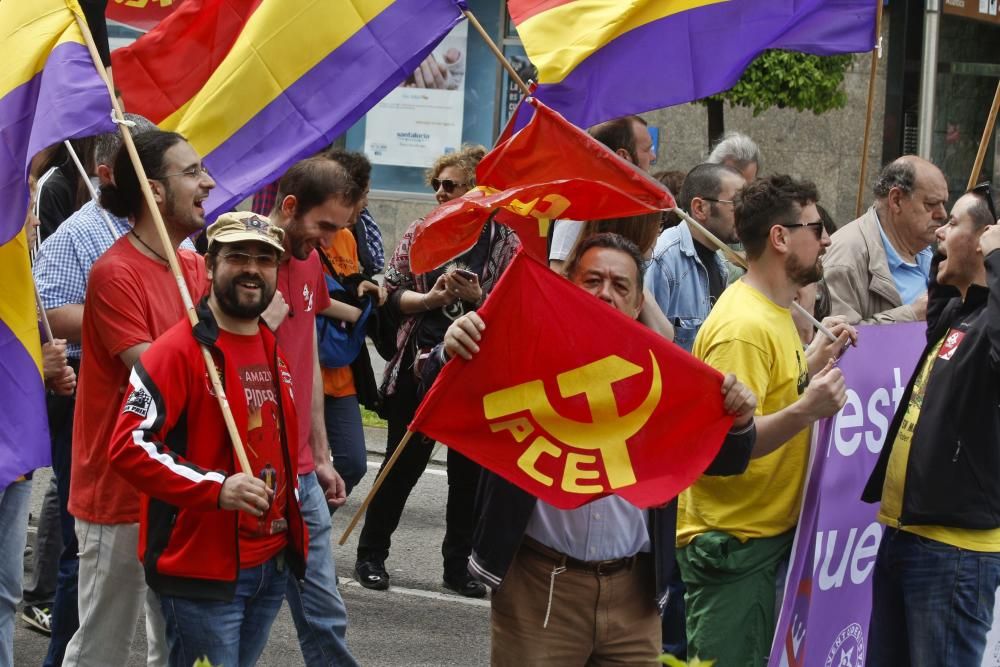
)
(448, 185)
(194, 171)
(986, 192)
(817, 227)
(719, 201)
(242, 260)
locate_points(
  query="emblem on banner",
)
(848, 649)
(607, 433)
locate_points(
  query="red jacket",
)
(171, 443)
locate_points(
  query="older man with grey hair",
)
(877, 266)
(739, 152)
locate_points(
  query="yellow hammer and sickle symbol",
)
(557, 205)
(608, 431)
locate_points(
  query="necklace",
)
(146, 246)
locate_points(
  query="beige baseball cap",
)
(245, 226)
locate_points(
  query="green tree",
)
(783, 79)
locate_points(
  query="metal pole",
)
(928, 73)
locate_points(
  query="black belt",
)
(598, 567)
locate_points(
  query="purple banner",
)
(827, 600)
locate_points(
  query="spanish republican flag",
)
(256, 85)
(571, 410)
(49, 91)
(601, 59)
(549, 169)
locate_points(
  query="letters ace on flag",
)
(572, 401)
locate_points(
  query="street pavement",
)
(417, 622)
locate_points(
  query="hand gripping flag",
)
(256, 85)
(24, 426)
(548, 169)
(601, 59)
(49, 91)
(570, 410)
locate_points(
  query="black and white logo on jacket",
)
(138, 402)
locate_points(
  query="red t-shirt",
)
(301, 283)
(260, 538)
(131, 299)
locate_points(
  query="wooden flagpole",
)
(985, 141)
(876, 56)
(168, 246)
(497, 52)
(375, 487)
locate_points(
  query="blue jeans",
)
(317, 608)
(230, 633)
(14, 503)
(346, 436)
(932, 604)
(65, 616)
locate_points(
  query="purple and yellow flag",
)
(49, 91)
(601, 59)
(24, 428)
(256, 85)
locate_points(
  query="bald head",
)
(911, 194)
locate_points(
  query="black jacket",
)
(953, 473)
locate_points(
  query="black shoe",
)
(371, 574)
(465, 585)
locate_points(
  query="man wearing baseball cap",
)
(218, 545)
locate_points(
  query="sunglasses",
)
(448, 185)
(817, 227)
(242, 260)
(986, 192)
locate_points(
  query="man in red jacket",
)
(217, 544)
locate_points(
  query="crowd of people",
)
(152, 510)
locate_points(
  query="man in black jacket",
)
(938, 566)
(582, 586)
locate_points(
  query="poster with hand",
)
(421, 118)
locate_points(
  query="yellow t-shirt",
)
(343, 254)
(749, 335)
(895, 478)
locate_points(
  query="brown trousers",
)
(606, 619)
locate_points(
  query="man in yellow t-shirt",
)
(938, 566)
(734, 533)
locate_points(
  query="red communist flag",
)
(549, 169)
(141, 14)
(572, 401)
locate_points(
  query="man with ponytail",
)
(131, 299)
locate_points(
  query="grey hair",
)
(106, 145)
(900, 174)
(737, 147)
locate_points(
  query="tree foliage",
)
(792, 80)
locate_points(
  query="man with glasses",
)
(733, 535)
(131, 299)
(687, 275)
(219, 543)
(877, 265)
(938, 565)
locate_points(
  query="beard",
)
(227, 297)
(803, 274)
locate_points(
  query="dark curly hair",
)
(767, 202)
